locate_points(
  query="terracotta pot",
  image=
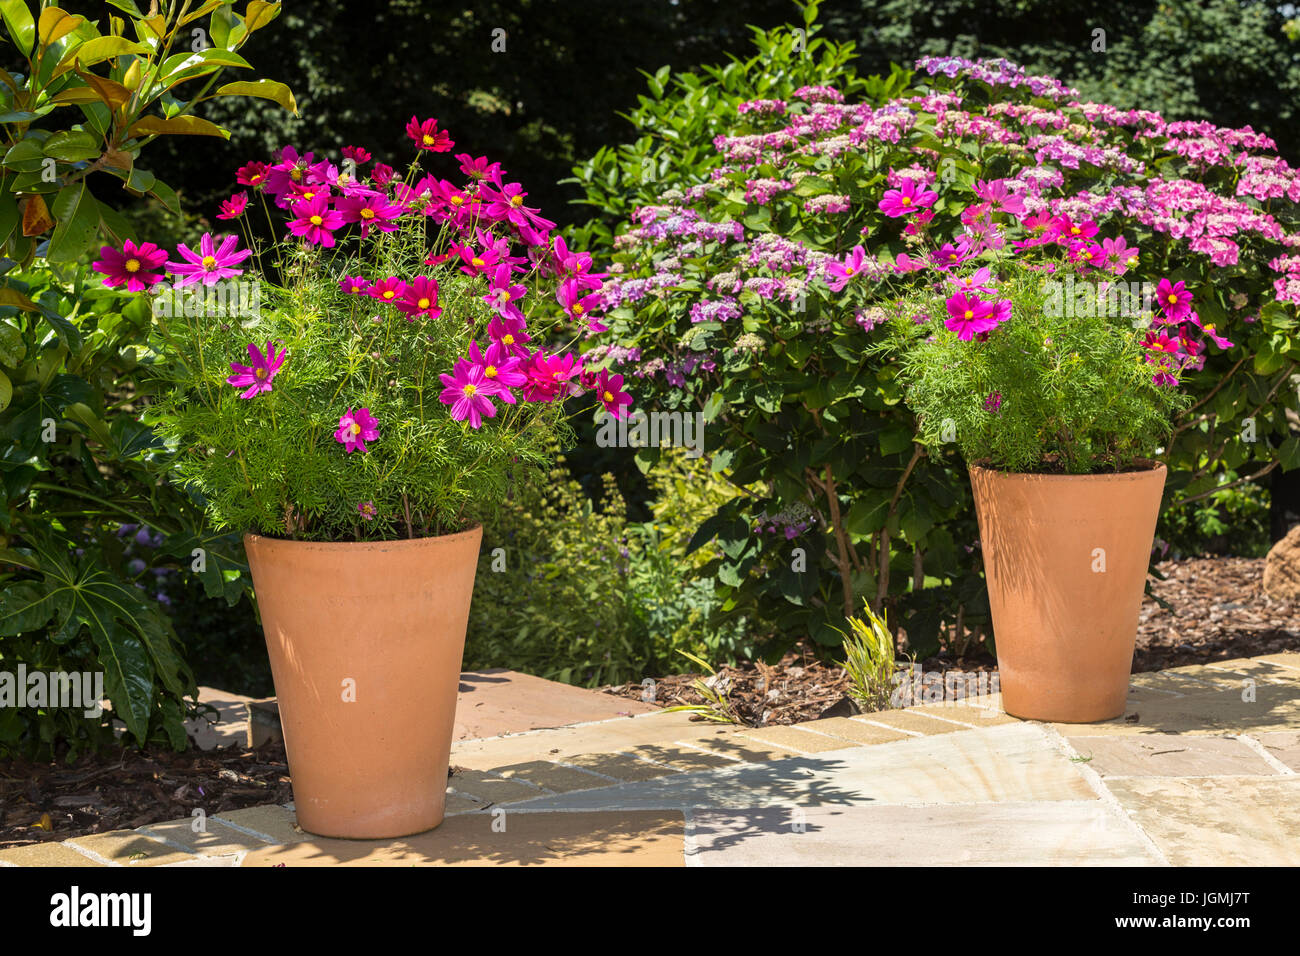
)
(365, 641)
(1065, 560)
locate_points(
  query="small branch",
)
(1232, 484)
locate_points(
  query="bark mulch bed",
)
(40, 802)
(1220, 613)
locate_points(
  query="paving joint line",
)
(91, 854)
(1098, 786)
(1269, 759)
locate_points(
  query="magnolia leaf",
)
(36, 216)
(178, 125)
(55, 24)
(20, 24)
(97, 50)
(266, 89)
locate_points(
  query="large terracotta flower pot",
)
(1065, 559)
(365, 641)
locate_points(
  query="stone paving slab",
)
(129, 848)
(1007, 763)
(498, 701)
(1217, 821)
(45, 854)
(1163, 756)
(1282, 746)
(1269, 707)
(1062, 833)
(505, 839)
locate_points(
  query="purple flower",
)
(256, 377)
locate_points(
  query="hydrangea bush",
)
(754, 273)
(387, 367)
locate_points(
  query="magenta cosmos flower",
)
(133, 266)
(839, 273)
(609, 390)
(367, 510)
(354, 285)
(233, 207)
(907, 199)
(355, 429)
(549, 376)
(970, 315)
(256, 377)
(467, 393)
(420, 298)
(426, 135)
(1174, 300)
(211, 263)
(501, 370)
(387, 290)
(315, 221)
(370, 209)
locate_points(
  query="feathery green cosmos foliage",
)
(272, 464)
(1058, 387)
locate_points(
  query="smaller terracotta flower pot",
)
(1065, 559)
(365, 641)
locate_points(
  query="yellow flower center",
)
(209, 263)
(608, 396)
(476, 261)
(1074, 230)
(469, 391)
(310, 195)
(969, 314)
(516, 200)
(422, 304)
(132, 265)
(490, 371)
(354, 429)
(428, 140)
(1173, 299)
(457, 200)
(367, 214)
(907, 201)
(260, 373)
(508, 339)
(295, 174)
(389, 293)
(848, 270)
(577, 308)
(316, 220)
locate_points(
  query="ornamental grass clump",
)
(385, 368)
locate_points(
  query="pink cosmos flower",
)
(253, 174)
(501, 370)
(1119, 256)
(369, 209)
(467, 393)
(357, 154)
(479, 168)
(420, 298)
(510, 335)
(1161, 343)
(1173, 299)
(993, 403)
(840, 273)
(211, 263)
(1086, 255)
(969, 315)
(1210, 331)
(577, 305)
(609, 390)
(502, 296)
(354, 285)
(381, 174)
(908, 198)
(367, 510)
(387, 290)
(1000, 197)
(507, 203)
(233, 207)
(1066, 230)
(948, 255)
(315, 221)
(426, 135)
(549, 376)
(355, 429)
(256, 377)
(980, 280)
(134, 266)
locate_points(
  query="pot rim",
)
(396, 544)
(1152, 467)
